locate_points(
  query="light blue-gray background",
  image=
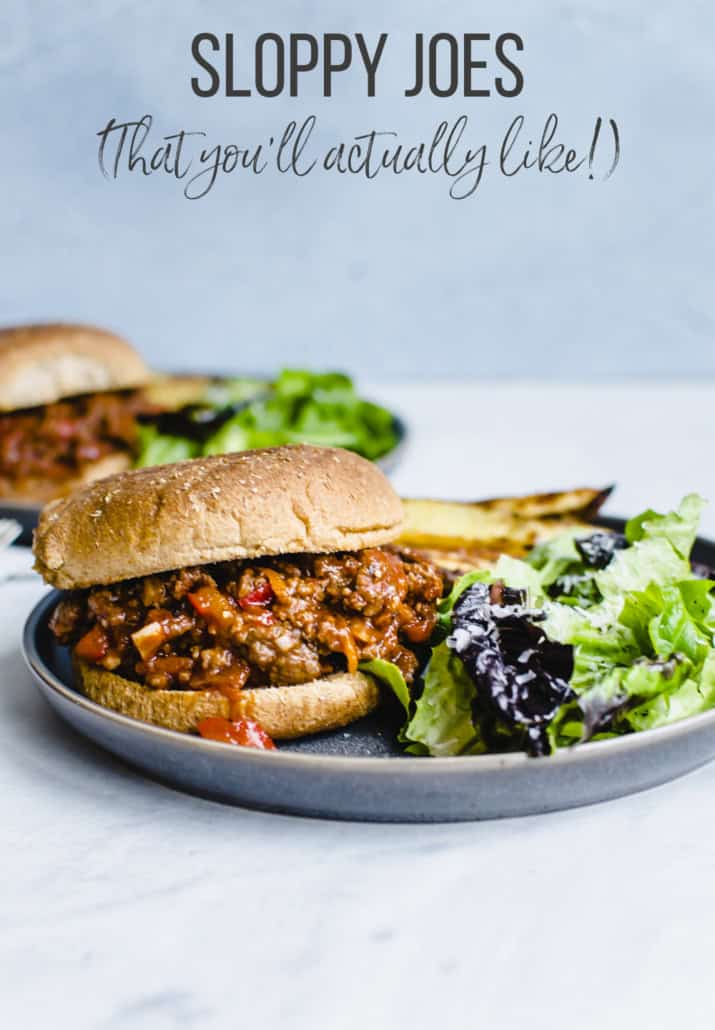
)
(542, 276)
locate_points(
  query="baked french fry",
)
(460, 535)
(584, 501)
(176, 391)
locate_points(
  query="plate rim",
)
(577, 754)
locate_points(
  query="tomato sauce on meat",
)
(271, 621)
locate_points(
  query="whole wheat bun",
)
(36, 491)
(283, 712)
(282, 500)
(41, 364)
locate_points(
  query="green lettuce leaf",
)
(445, 606)
(556, 557)
(512, 571)
(622, 698)
(643, 657)
(300, 407)
(520, 575)
(679, 527)
(643, 649)
(659, 552)
(679, 699)
(650, 648)
(223, 392)
(675, 631)
(305, 407)
(390, 675)
(442, 724)
(647, 561)
(581, 720)
(155, 448)
(698, 599)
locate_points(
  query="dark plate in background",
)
(359, 773)
(25, 514)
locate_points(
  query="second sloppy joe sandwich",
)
(69, 400)
(245, 590)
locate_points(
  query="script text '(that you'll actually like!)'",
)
(134, 148)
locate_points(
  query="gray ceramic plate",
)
(359, 773)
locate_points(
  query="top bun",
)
(41, 364)
(282, 500)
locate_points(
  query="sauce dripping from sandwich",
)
(233, 696)
(245, 732)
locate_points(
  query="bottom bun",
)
(33, 492)
(283, 712)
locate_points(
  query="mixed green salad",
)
(242, 414)
(592, 636)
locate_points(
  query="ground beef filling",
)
(271, 621)
(56, 441)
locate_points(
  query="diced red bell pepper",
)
(259, 597)
(213, 606)
(93, 646)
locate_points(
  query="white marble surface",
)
(127, 905)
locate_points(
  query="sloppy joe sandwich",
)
(68, 408)
(244, 592)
